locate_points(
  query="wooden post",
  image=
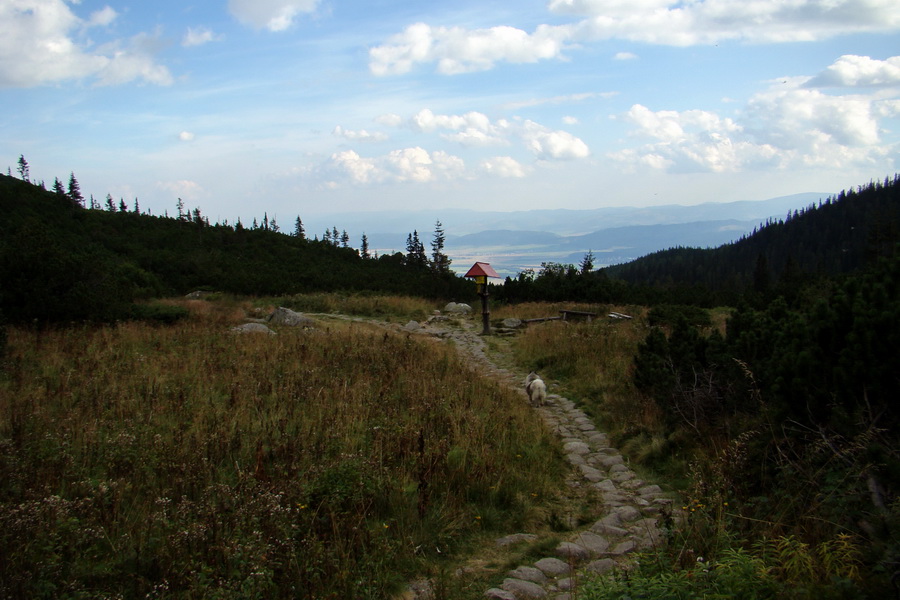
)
(485, 311)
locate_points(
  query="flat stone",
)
(606, 485)
(498, 594)
(576, 448)
(618, 468)
(572, 551)
(628, 513)
(590, 473)
(623, 547)
(565, 584)
(609, 461)
(531, 574)
(592, 542)
(601, 528)
(622, 476)
(601, 566)
(650, 490)
(553, 567)
(523, 589)
(576, 459)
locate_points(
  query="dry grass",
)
(186, 461)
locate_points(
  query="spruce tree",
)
(364, 247)
(299, 232)
(23, 168)
(75, 191)
(110, 205)
(440, 262)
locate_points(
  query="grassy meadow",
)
(185, 461)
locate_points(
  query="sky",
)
(307, 107)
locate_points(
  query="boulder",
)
(252, 328)
(512, 323)
(289, 318)
(458, 308)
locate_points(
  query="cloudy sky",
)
(299, 107)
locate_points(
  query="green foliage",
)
(159, 312)
(60, 262)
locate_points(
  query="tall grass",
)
(370, 305)
(186, 461)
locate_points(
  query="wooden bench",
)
(578, 314)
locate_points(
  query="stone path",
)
(631, 508)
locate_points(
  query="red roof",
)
(482, 269)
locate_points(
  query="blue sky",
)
(304, 107)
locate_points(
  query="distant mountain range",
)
(513, 241)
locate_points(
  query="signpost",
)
(480, 272)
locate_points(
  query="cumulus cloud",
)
(503, 166)
(859, 71)
(625, 56)
(360, 135)
(186, 136)
(398, 166)
(198, 37)
(41, 42)
(547, 144)
(458, 50)
(666, 22)
(274, 15)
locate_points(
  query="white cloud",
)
(360, 135)
(38, 45)
(198, 37)
(859, 71)
(472, 128)
(570, 120)
(547, 144)
(666, 22)
(274, 15)
(398, 166)
(184, 189)
(625, 56)
(503, 166)
(186, 136)
(458, 50)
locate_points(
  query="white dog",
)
(536, 389)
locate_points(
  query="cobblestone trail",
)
(631, 507)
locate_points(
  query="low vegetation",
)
(184, 461)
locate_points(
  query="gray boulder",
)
(252, 328)
(289, 318)
(458, 308)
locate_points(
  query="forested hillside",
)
(60, 261)
(836, 236)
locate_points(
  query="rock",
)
(592, 542)
(498, 594)
(576, 448)
(412, 326)
(606, 486)
(289, 318)
(623, 547)
(553, 567)
(628, 513)
(515, 538)
(523, 589)
(604, 565)
(457, 308)
(590, 473)
(252, 328)
(532, 574)
(512, 323)
(572, 551)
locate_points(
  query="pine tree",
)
(299, 232)
(364, 247)
(58, 187)
(180, 206)
(23, 168)
(273, 225)
(110, 205)
(587, 263)
(265, 222)
(123, 207)
(137, 207)
(440, 262)
(345, 239)
(327, 236)
(75, 191)
(415, 250)
(335, 236)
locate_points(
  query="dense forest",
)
(66, 259)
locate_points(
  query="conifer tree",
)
(364, 247)
(110, 205)
(345, 239)
(75, 191)
(123, 207)
(587, 263)
(23, 168)
(299, 230)
(440, 262)
(58, 187)
(180, 206)
(137, 207)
